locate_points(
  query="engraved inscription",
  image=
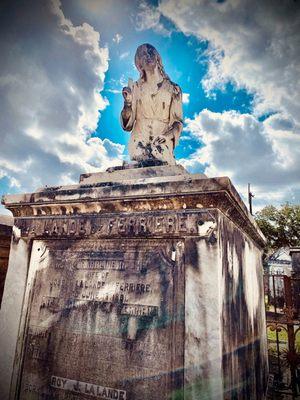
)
(87, 388)
(92, 264)
(138, 310)
(136, 224)
(101, 320)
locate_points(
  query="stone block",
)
(136, 284)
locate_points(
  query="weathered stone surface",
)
(103, 313)
(124, 174)
(139, 289)
(187, 192)
(12, 320)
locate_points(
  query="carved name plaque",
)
(104, 320)
(159, 223)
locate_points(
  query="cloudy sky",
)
(64, 63)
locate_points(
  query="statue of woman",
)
(152, 110)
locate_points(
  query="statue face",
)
(146, 57)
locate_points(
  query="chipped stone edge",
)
(90, 199)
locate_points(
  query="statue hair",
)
(159, 63)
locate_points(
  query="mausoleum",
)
(143, 282)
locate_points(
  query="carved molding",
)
(159, 223)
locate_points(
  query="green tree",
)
(281, 226)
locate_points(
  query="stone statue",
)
(152, 110)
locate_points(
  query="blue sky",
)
(237, 63)
(180, 56)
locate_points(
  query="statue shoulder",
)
(172, 87)
(176, 90)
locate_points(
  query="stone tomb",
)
(134, 284)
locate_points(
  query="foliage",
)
(281, 226)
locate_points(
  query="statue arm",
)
(128, 112)
(176, 115)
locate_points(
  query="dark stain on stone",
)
(144, 271)
(192, 256)
(144, 323)
(123, 324)
(242, 378)
(212, 239)
(159, 149)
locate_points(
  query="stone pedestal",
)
(295, 256)
(134, 284)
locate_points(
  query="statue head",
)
(147, 58)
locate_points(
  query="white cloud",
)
(123, 81)
(114, 91)
(50, 99)
(149, 17)
(117, 38)
(124, 55)
(254, 44)
(239, 146)
(185, 98)
(251, 42)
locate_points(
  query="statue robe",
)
(152, 115)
